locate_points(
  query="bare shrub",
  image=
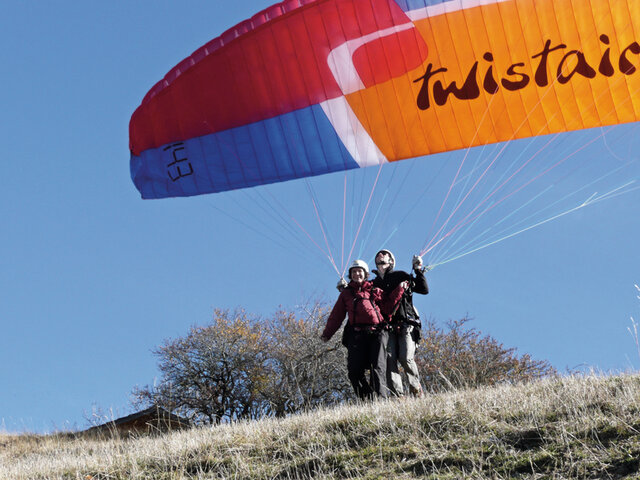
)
(243, 368)
(215, 373)
(457, 356)
(306, 372)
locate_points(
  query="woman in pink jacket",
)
(366, 333)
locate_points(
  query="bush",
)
(215, 373)
(457, 356)
(305, 372)
(240, 367)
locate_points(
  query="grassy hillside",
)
(562, 428)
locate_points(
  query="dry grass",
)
(578, 427)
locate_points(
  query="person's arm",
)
(420, 282)
(336, 318)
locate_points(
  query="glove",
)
(416, 262)
(342, 284)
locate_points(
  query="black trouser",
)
(368, 351)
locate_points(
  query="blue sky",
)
(92, 278)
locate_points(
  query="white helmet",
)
(360, 264)
(391, 257)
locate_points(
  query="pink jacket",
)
(365, 306)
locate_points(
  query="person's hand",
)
(405, 284)
(342, 284)
(416, 262)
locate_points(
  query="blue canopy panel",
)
(298, 144)
(408, 5)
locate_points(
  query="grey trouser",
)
(400, 350)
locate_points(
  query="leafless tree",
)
(457, 356)
(307, 372)
(240, 367)
(215, 373)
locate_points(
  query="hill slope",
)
(578, 427)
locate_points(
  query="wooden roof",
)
(150, 420)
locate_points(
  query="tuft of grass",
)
(572, 427)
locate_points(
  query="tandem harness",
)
(350, 327)
(407, 304)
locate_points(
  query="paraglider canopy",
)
(309, 87)
(306, 88)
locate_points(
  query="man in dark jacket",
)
(404, 321)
